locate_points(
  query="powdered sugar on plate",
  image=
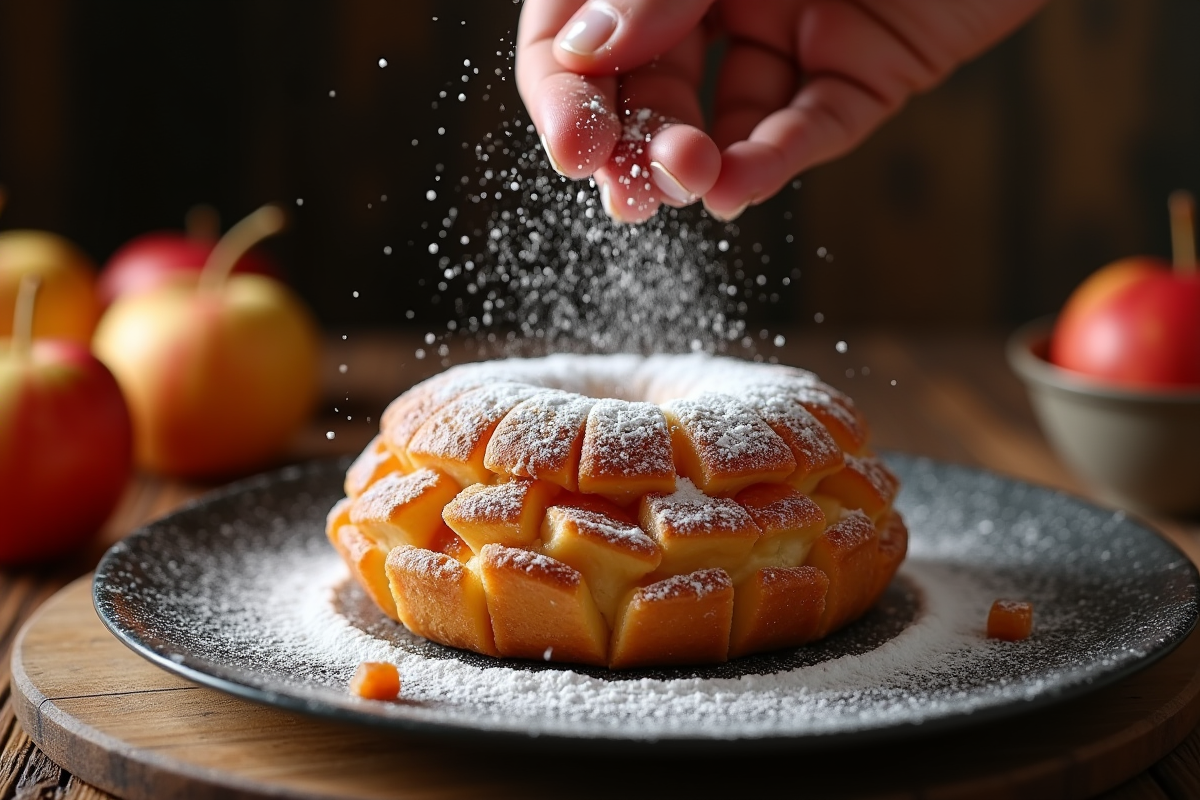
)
(242, 591)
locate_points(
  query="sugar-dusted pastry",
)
(620, 510)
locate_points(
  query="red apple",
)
(220, 371)
(152, 259)
(67, 306)
(1136, 322)
(66, 444)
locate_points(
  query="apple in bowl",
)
(1115, 381)
(1136, 323)
(220, 370)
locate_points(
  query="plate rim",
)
(674, 743)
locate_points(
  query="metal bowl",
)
(1137, 448)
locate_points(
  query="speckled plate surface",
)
(240, 591)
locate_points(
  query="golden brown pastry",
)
(620, 510)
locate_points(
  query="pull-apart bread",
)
(621, 510)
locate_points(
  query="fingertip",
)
(684, 163)
(577, 129)
(625, 203)
(750, 172)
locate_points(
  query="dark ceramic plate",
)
(240, 591)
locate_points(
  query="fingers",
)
(574, 115)
(858, 72)
(664, 156)
(827, 119)
(608, 36)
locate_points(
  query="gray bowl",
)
(1137, 448)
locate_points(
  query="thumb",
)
(607, 36)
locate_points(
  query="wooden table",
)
(948, 395)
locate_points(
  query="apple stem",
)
(1183, 230)
(266, 221)
(22, 330)
(202, 223)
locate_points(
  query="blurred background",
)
(983, 203)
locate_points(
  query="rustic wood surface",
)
(953, 399)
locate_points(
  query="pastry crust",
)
(620, 510)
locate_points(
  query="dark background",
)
(981, 204)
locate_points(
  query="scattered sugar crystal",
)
(841, 347)
(431, 195)
(387, 250)
(330, 434)
(343, 368)
(383, 62)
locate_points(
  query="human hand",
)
(611, 86)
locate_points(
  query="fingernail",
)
(590, 30)
(550, 155)
(606, 201)
(669, 185)
(737, 212)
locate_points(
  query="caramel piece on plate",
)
(376, 680)
(541, 608)
(684, 619)
(1010, 620)
(440, 598)
(777, 607)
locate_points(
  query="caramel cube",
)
(454, 439)
(893, 546)
(696, 531)
(626, 451)
(375, 680)
(837, 413)
(440, 598)
(789, 521)
(372, 463)
(1010, 620)
(338, 516)
(865, 483)
(366, 562)
(777, 607)
(403, 509)
(684, 619)
(846, 552)
(506, 513)
(541, 608)
(723, 446)
(612, 555)
(541, 438)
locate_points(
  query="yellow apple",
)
(67, 305)
(219, 370)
